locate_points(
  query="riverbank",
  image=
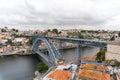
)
(28, 51)
(14, 53)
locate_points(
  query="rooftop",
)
(58, 74)
(61, 72)
(95, 67)
(93, 75)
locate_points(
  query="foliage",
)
(9, 41)
(16, 30)
(16, 36)
(93, 31)
(83, 31)
(30, 42)
(90, 31)
(55, 30)
(48, 30)
(67, 36)
(42, 67)
(101, 55)
(13, 29)
(80, 36)
(60, 32)
(88, 37)
(3, 30)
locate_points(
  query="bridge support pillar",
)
(60, 47)
(78, 53)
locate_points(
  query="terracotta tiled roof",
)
(94, 66)
(94, 75)
(60, 75)
(91, 58)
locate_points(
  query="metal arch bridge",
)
(54, 54)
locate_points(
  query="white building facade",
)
(113, 51)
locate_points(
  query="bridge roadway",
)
(82, 42)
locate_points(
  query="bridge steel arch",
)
(53, 53)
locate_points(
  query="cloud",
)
(92, 13)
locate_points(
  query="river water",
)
(23, 67)
(68, 55)
(18, 67)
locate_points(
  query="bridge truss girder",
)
(53, 53)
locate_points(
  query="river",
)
(17, 67)
(68, 55)
(23, 67)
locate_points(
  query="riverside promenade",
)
(27, 50)
(18, 51)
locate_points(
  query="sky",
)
(65, 14)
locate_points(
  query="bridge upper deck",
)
(89, 42)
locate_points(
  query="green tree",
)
(42, 67)
(83, 31)
(67, 36)
(2, 30)
(60, 32)
(80, 36)
(48, 30)
(9, 41)
(16, 30)
(101, 55)
(55, 30)
(30, 42)
(16, 36)
(13, 29)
